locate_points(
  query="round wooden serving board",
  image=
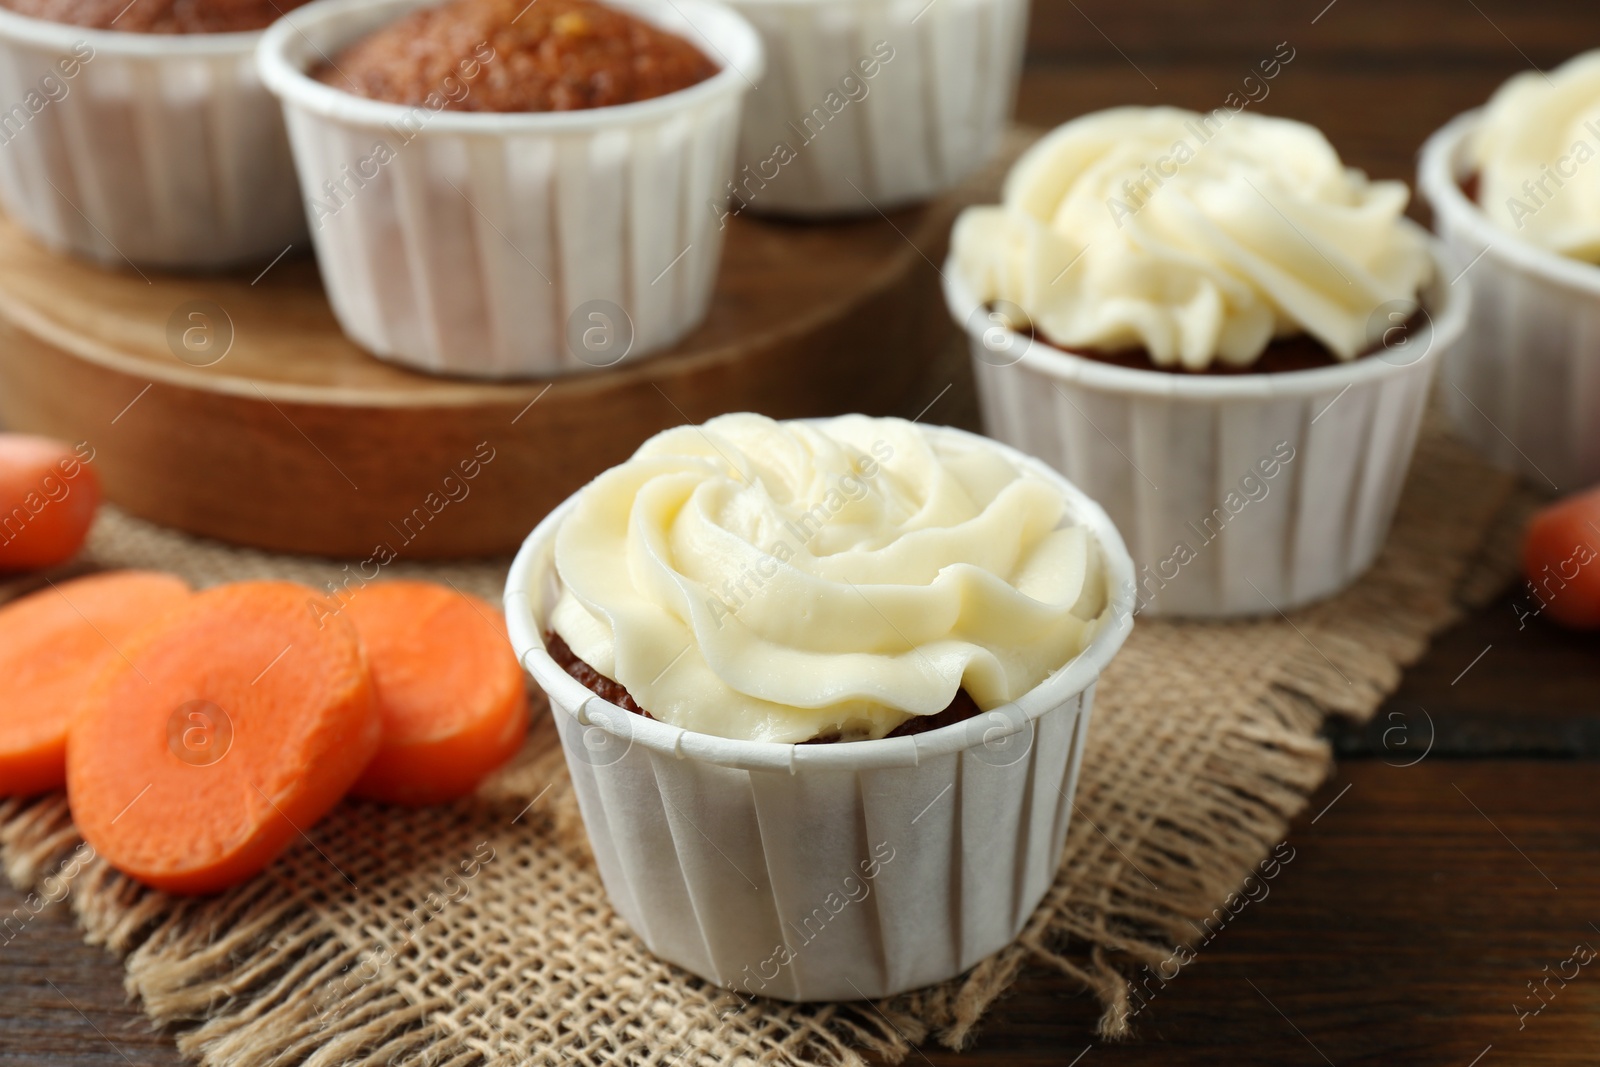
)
(297, 440)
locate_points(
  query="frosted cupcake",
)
(1220, 332)
(1515, 191)
(854, 648)
(139, 134)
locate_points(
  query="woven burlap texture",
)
(480, 933)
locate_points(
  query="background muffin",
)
(556, 55)
(459, 238)
(158, 16)
(870, 105)
(156, 147)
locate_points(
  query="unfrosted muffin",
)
(139, 136)
(512, 55)
(491, 181)
(158, 16)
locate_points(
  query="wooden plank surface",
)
(1422, 899)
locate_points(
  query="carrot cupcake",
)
(140, 134)
(931, 604)
(502, 189)
(1220, 332)
(1515, 192)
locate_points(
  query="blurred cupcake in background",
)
(138, 132)
(869, 105)
(1534, 137)
(1515, 191)
(1220, 332)
(504, 189)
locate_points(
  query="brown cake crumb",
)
(158, 16)
(962, 707)
(516, 55)
(591, 679)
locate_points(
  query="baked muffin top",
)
(517, 55)
(1198, 239)
(791, 581)
(158, 16)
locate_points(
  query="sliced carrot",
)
(1561, 559)
(453, 700)
(52, 643)
(228, 727)
(48, 497)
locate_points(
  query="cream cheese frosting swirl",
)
(1535, 154)
(1198, 238)
(782, 581)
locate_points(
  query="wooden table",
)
(1423, 899)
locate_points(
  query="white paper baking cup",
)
(1523, 382)
(725, 855)
(524, 244)
(1162, 452)
(932, 115)
(162, 150)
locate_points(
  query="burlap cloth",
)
(355, 948)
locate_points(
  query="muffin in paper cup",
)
(1252, 467)
(1522, 383)
(159, 150)
(839, 871)
(869, 105)
(513, 244)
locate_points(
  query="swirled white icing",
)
(782, 581)
(1535, 150)
(1195, 237)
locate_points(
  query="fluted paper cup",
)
(1240, 494)
(527, 244)
(863, 133)
(158, 150)
(832, 871)
(1523, 382)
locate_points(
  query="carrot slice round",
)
(231, 725)
(1561, 560)
(48, 498)
(449, 686)
(52, 643)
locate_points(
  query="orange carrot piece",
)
(1561, 559)
(450, 688)
(48, 497)
(229, 727)
(52, 644)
